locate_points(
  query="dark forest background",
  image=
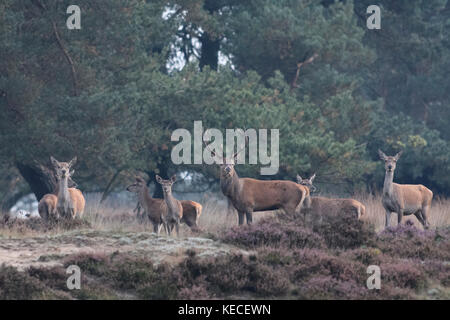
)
(113, 92)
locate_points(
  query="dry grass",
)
(118, 216)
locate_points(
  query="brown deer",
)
(154, 208)
(174, 207)
(248, 195)
(317, 206)
(69, 202)
(47, 207)
(404, 199)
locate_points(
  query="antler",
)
(243, 148)
(213, 153)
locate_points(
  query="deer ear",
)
(381, 154)
(54, 161)
(173, 178)
(71, 172)
(158, 179)
(312, 178)
(73, 161)
(397, 156)
(299, 179)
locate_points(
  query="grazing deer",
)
(404, 199)
(69, 202)
(154, 209)
(174, 207)
(248, 195)
(317, 206)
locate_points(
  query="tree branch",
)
(299, 65)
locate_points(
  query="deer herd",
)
(245, 194)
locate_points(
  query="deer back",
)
(47, 206)
(267, 195)
(191, 212)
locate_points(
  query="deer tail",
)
(362, 211)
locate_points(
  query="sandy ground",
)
(49, 250)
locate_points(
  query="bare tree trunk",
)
(209, 52)
(40, 178)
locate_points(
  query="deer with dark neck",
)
(248, 195)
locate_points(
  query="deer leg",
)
(155, 228)
(424, 213)
(241, 217)
(249, 215)
(388, 218)
(169, 228)
(400, 216)
(177, 227)
(419, 217)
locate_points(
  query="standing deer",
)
(69, 202)
(174, 207)
(404, 199)
(248, 195)
(317, 206)
(155, 209)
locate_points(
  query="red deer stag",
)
(248, 195)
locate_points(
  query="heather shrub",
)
(16, 285)
(316, 262)
(404, 274)
(267, 281)
(124, 272)
(130, 273)
(407, 241)
(439, 270)
(40, 225)
(95, 264)
(235, 273)
(195, 292)
(227, 274)
(327, 287)
(366, 256)
(274, 233)
(54, 278)
(389, 291)
(344, 231)
(276, 257)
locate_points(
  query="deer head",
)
(226, 164)
(166, 184)
(137, 185)
(307, 182)
(63, 169)
(390, 162)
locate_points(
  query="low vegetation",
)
(287, 259)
